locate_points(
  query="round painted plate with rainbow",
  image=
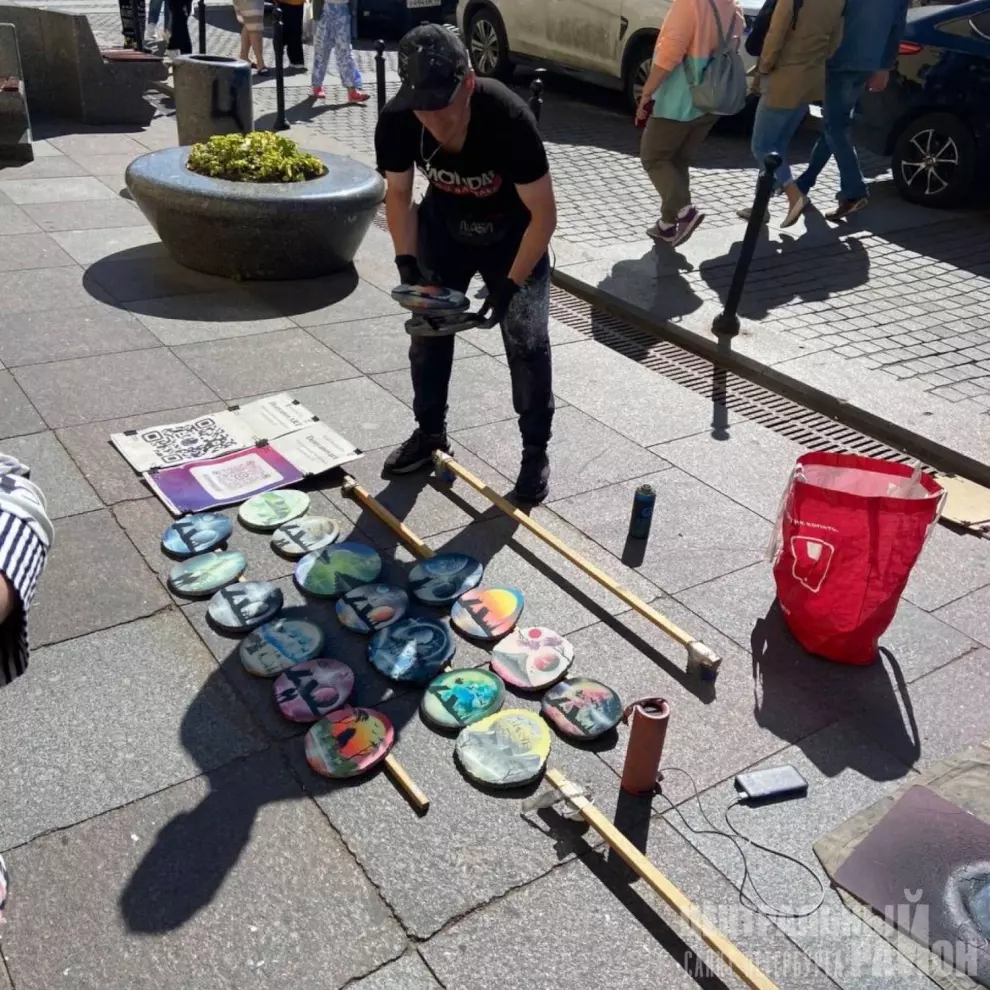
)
(269, 510)
(442, 579)
(279, 645)
(198, 533)
(412, 649)
(487, 613)
(507, 749)
(205, 573)
(457, 698)
(372, 607)
(299, 537)
(341, 567)
(313, 689)
(531, 658)
(348, 742)
(582, 708)
(243, 605)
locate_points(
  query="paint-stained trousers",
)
(525, 333)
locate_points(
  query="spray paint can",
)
(642, 512)
(647, 720)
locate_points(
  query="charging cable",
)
(765, 908)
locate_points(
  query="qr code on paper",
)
(236, 477)
(190, 441)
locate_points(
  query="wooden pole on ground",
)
(742, 966)
(701, 659)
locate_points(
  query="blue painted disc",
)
(197, 533)
(442, 579)
(413, 649)
(245, 604)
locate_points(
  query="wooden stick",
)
(406, 784)
(743, 967)
(698, 654)
(411, 540)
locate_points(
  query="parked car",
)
(608, 42)
(933, 120)
(400, 15)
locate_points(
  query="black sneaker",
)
(533, 483)
(415, 453)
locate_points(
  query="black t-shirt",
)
(472, 192)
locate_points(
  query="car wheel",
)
(638, 67)
(935, 160)
(488, 44)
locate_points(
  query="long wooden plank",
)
(741, 965)
(411, 540)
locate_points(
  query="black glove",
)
(409, 273)
(500, 295)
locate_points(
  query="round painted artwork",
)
(457, 698)
(203, 574)
(329, 572)
(531, 658)
(444, 578)
(244, 605)
(348, 742)
(372, 607)
(582, 708)
(279, 645)
(313, 689)
(269, 510)
(302, 536)
(507, 749)
(199, 533)
(487, 613)
(412, 649)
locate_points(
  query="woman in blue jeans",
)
(790, 74)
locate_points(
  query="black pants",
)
(127, 11)
(292, 20)
(525, 333)
(179, 38)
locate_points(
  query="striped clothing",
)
(25, 539)
(688, 39)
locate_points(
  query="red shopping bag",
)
(850, 530)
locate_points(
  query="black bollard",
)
(536, 97)
(726, 324)
(380, 73)
(280, 122)
(201, 14)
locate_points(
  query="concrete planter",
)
(257, 230)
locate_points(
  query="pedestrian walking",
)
(251, 17)
(25, 538)
(872, 33)
(155, 8)
(333, 30)
(179, 42)
(292, 31)
(790, 74)
(675, 129)
(129, 10)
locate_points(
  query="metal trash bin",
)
(212, 96)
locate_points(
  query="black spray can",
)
(642, 512)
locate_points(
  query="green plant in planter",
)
(260, 156)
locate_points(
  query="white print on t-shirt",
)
(481, 186)
(476, 228)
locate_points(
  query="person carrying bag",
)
(696, 77)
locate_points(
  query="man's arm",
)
(400, 211)
(671, 47)
(879, 80)
(538, 198)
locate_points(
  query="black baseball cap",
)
(432, 64)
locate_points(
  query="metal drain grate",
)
(746, 398)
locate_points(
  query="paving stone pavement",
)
(159, 821)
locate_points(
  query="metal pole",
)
(201, 14)
(536, 99)
(726, 324)
(280, 122)
(380, 73)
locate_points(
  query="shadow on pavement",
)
(878, 691)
